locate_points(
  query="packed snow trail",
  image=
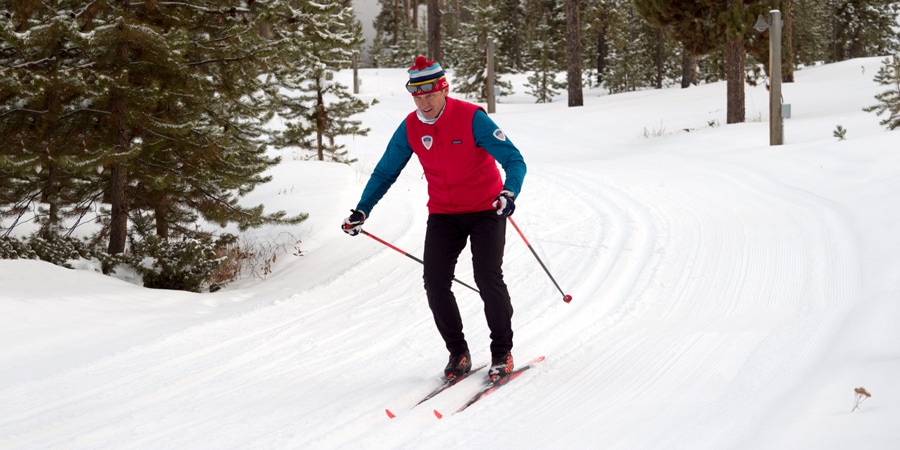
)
(726, 272)
(712, 278)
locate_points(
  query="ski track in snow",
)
(699, 284)
(631, 250)
(635, 263)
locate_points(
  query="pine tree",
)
(453, 15)
(45, 164)
(398, 39)
(639, 56)
(693, 24)
(546, 51)
(706, 27)
(191, 117)
(317, 107)
(509, 32)
(811, 31)
(470, 70)
(150, 108)
(889, 100)
(863, 28)
(596, 17)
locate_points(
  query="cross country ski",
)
(490, 387)
(447, 384)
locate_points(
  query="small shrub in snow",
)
(840, 133)
(56, 249)
(182, 265)
(889, 100)
(13, 248)
(861, 396)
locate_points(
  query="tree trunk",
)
(602, 52)
(160, 210)
(118, 173)
(688, 69)
(50, 196)
(320, 121)
(434, 30)
(658, 60)
(118, 222)
(573, 44)
(734, 66)
(734, 62)
(788, 49)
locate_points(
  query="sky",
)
(726, 294)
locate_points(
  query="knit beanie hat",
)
(426, 77)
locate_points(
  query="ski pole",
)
(388, 244)
(566, 297)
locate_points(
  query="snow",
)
(726, 294)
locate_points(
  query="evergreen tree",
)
(162, 99)
(705, 27)
(547, 49)
(639, 55)
(863, 28)
(398, 39)
(452, 16)
(811, 31)
(542, 82)
(596, 22)
(694, 24)
(470, 71)
(889, 100)
(317, 107)
(190, 116)
(46, 160)
(509, 32)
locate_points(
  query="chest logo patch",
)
(498, 133)
(427, 141)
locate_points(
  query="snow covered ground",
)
(727, 294)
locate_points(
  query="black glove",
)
(504, 204)
(353, 224)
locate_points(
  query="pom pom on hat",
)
(424, 71)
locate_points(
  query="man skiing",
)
(459, 147)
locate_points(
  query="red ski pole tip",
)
(567, 298)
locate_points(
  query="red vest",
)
(462, 177)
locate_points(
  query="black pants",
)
(445, 238)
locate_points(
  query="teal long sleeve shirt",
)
(398, 153)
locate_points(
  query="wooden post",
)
(776, 121)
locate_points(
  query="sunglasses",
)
(424, 88)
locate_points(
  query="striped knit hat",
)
(425, 77)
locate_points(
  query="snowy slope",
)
(727, 294)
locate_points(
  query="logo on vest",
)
(427, 141)
(498, 133)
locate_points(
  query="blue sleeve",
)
(489, 137)
(387, 170)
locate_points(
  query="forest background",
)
(133, 129)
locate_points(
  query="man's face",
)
(431, 104)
